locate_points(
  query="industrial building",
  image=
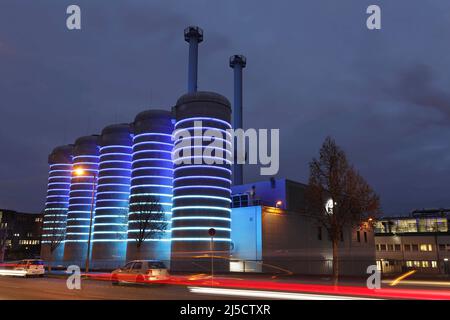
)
(20, 235)
(124, 195)
(420, 241)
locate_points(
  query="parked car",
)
(140, 271)
(30, 267)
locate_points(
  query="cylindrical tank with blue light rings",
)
(57, 203)
(109, 236)
(86, 157)
(202, 192)
(151, 180)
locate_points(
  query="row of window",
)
(411, 247)
(421, 264)
(33, 242)
(406, 247)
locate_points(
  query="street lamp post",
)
(81, 172)
(212, 233)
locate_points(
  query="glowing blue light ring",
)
(202, 187)
(201, 208)
(152, 142)
(176, 149)
(201, 138)
(114, 154)
(200, 228)
(109, 169)
(201, 218)
(202, 166)
(151, 134)
(151, 194)
(201, 197)
(151, 185)
(113, 177)
(150, 159)
(151, 177)
(226, 123)
(202, 177)
(151, 168)
(181, 159)
(115, 146)
(145, 151)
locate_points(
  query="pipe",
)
(238, 62)
(193, 35)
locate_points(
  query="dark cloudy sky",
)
(313, 70)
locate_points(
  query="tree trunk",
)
(335, 262)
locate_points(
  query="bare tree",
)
(149, 219)
(338, 197)
(55, 237)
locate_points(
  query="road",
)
(13, 288)
(184, 288)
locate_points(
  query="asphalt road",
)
(15, 288)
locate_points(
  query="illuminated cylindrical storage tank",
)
(82, 191)
(202, 181)
(109, 238)
(151, 181)
(57, 203)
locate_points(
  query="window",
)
(433, 264)
(358, 236)
(415, 247)
(442, 247)
(417, 264)
(137, 266)
(319, 233)
(365, 236)
(426, 247)
(409, 264)
(127, 266)
(425, 264)
(378, 247)
(397, 247)
(390, 247)
(382, 247)
(407, 247)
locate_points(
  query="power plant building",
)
(165, 187)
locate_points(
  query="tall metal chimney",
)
(238, 62)
(193, 35)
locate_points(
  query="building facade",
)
(20, 235)
(272, 233)
(418, 242)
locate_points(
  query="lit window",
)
(433, 264)
(426, 247)
(409, 263)
(425, 264)
(417, 264)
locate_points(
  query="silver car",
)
(140, 271)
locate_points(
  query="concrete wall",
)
(290, 242)
(246, 237)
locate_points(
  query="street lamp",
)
(82, 173)
(212, 233)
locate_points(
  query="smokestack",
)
(238, 62)
(193, 35)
